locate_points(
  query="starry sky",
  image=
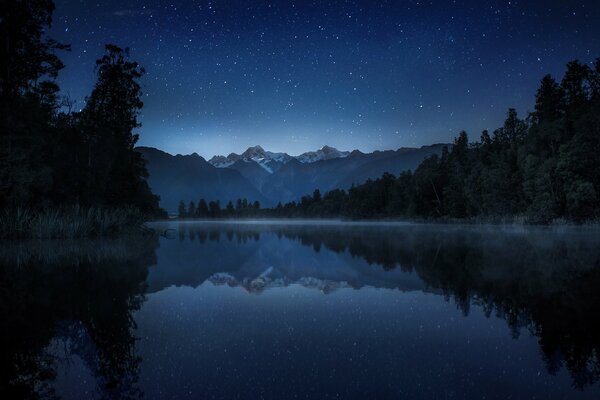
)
(295, 75)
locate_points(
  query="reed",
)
(68, 222)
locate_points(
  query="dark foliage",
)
(50, 156)
(537, 170)
(242, 209)
(541, 282)
(81, 293)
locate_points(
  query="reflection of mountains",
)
(264, 282)
(83, 294)
(539, 280)
(258, 259)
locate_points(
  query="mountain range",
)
(271, 162)
(270, 177)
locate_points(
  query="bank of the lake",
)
(70, 222)
(491, 220)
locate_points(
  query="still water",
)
(329, 310)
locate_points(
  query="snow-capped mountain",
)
(222, 161)
(271, 162)
(270, 177)
(324, 153)
(258, 153)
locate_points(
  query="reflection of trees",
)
(95, 285)
(217, 232)
(541, 281)
(546, 283)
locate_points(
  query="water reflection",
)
(539, 280)
(77, 296)
(83, 301)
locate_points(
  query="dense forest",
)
(540, 169)
(50, 156)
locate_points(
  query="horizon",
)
(370, 76)
(239, 152)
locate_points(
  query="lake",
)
(304, 310)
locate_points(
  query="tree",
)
(54, 158)
(455, 167)
(549, 100)
(513, 131)
(28, 100)
(116, 172)
(575, 85)
(316, 196)
(202, 210)
(501, 178)
(191, 212)
(28, 59)
(595, 83)
(181, 211)
(541, 168)
(428, 188)
(214, 209)
(401, 194)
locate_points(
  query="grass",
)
(68, 222)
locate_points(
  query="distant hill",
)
(251, 170)
(296, 179)
(191, 178)
(273, 161)
(270, 177)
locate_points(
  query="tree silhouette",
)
(181, 210)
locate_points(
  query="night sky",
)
(295, 75)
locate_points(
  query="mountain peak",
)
(332, 151)
(275, 177)
(255, 151)
(273, 161)
(324, 153)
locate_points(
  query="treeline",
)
(541, 168)
(50, 155)
(538, 169)
(242, 209)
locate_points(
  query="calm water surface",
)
(274, 311)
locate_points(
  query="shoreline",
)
(81, 223)
(370, 222)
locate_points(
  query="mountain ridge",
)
(270, 177)
(271, 161)
(191, 177)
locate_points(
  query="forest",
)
(540, 169)
(73, 172)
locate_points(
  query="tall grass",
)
(68, 222)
